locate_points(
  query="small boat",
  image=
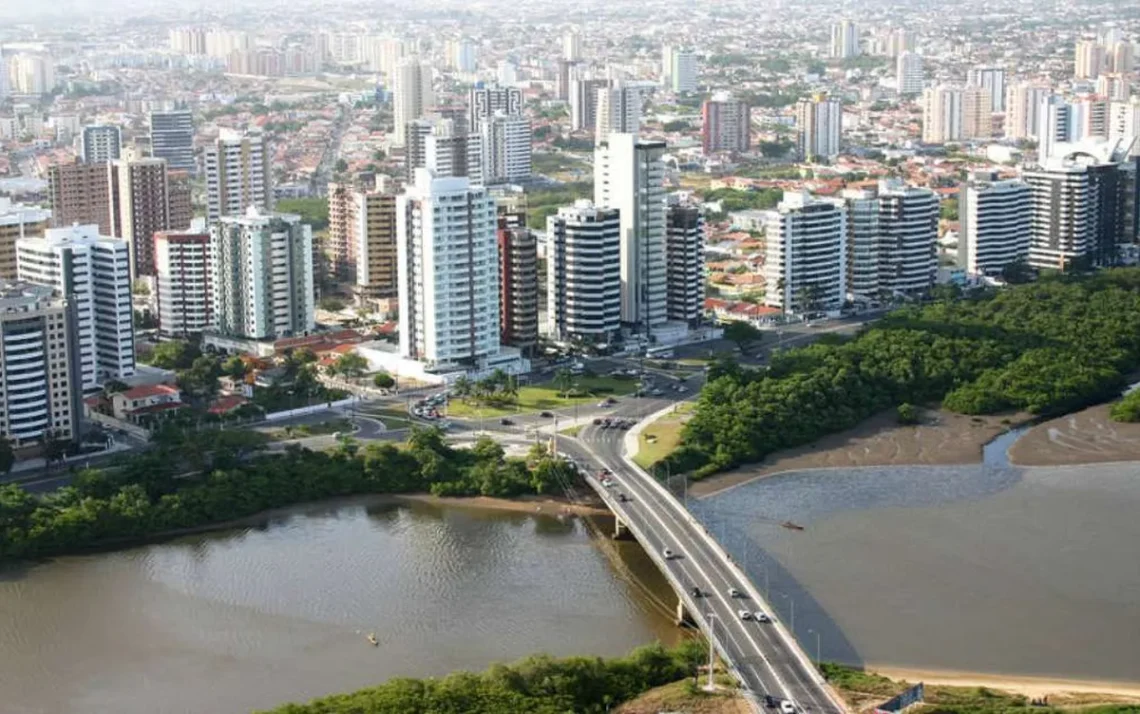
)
(372, 639)
(792, 526)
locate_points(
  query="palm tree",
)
(462, 387)
(563, 380)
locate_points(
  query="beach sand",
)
(1085, 437)
(1071, 692)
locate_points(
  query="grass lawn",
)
(301, 431)
(539, 397)
(571, 431)
(684, 697)
(660, 438)
(393, 418)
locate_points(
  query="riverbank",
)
(1085, 437)
(547, 506)
(943, 438)
(1061, 692)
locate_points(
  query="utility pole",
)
(711, 686)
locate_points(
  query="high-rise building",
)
(448, 272)
(1091, 117)
(1121, 58)
(18, 221)
(518, 288)
(506, 144)
(862, 242)
(412, 95)
(172, 138)
(1124, 122)
(684, 263)
(683, 74)
(618, 111)
(805, 268)
(1023, 101)
(629, 175)
(908, 238)
(1114, 86)
(726, 125)
(507, 73)
(993, 79)
(460, 55)
(977, 113)
(178, 194)
(898, 41)
(486, 102)
(567, 73)
(101, 143)
(340, 241)
(584, 103)
(995, 221)
(183, 273)
(237, 175)
(261, 275)
(583, 274)
(374, 238)
(941, 114)
(80, 194)
(31, 74)
(819, 121)
(93, 273)
(1089, 59)
(572, 45)
(449, 153)
(140, 208)
(844, 40)
(1057, 123)
(667, 65)
(38, 375)
(909, 75)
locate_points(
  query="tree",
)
(175, 354)
(341, 166)
(383, 380)
(7, 455)
(350, 364)
(234, 367)
(742, 333)
(907, 414)
(200, 382)
(1018, 272)
(563, 381)
(55, 447)
(332, 304)
(462, 387)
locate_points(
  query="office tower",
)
(1057, 123)
(977, 113)
(31, 74)
(683, 74)
(172, 138)
(486, 102)
(1114, 86)
(993, 79)
(38, 375)
(183, 273)
(518, 288)
(93, 273)
(819, 121)
(844, 40)
(506, 144)
(862, 243)
(1023, 101)
(140, 208)
(237, 175)
(1089, 61)
(584, 103)
(618, 111)
(448, 274)
(583, 274)
(805, 268)
(909, 76)
(572, 45)
(1121, 57)
(908, 238)
(412, 95)
(101, 144)
(684, 263)
(18, 221)
(941, 114)
(726, 125)
(629, 175)
(261, 275)
(80, 193)
(374, 239)
(995, 219)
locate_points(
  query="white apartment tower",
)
(684, 263)
(1058, 123)
(1022, 104)
(618, 110)
(583, 269)
(844, 40)
(447, 252)
(726, 125)
(486, 102)
(629, 175)
(993, 79)
(506, 144)
(584, 102)
(261, 276)
(93, 273)
(683, 74)
(572, 45)
(805, 266)
(977, 112)
(819, 123)
(862, 243)
(941, 114)
(101, 143)
(1089, 59)
(237, 175)
(908, 238)
(38, 373)
(909, 76)
(995, 219)
(412, 95)
(185, 294)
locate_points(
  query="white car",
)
(786, 707)
(733, 592)
(668, 554)
(744, 614)
(761, 617)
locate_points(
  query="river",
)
(251, 618)
(981, 568)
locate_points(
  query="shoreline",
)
(1029, 685)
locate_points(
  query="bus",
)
(659, 353)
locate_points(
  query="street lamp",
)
(792, 601)
(818, 660)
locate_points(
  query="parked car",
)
(506, 422)
(547, 415)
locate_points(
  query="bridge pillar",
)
(683, 618)
(621, 530)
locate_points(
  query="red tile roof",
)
(150, 390)
(226, 404)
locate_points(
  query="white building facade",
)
(995, 223)
(805, 268)
(237, 175)
(183, 275)
(583, 264)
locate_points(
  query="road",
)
(767, 662)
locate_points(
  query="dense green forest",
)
(219, 475)
(1045, 348)
(537, 685)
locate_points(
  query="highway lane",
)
(763, 657)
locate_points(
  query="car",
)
(696, 592)
(786, 707)
(770, 701)
(623, 498)
(547, 415)
(608, 482)
(733, 592)
(744, 615)
(607, 422)
(603, 405)
(656, 392)
(506, 422)
(338, 434)
(625, 425)
(668, 554)
(761, 617)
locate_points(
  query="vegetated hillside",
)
(1045, 348)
